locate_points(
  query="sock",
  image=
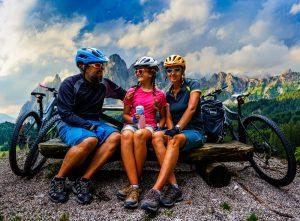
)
(175, 185)
(158, 191)
(135, 186)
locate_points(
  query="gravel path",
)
(27, 199)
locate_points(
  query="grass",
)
(15, 218)
(252, 217)
(225, 206)
(168, 212)
(297, 154)
(3, 154)
(64, 217)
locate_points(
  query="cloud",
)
(295, 9)
(269, 57)
(172, 29)
(32, 49)
(10, 110)
(249, 37)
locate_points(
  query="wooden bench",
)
(207, 158)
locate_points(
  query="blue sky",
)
(244, 37)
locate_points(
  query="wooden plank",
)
(54, 148)
(222, 152)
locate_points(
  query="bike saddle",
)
(236, 96)
(38, 93)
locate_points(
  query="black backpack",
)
(213, 117)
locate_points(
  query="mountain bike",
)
(273, 156)
(26, 131)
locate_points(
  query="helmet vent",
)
(83, 56)
(95, 53)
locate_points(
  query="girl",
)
(134, 139)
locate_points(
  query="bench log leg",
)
(215, 174)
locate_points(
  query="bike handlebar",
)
(216, 92)
(51, 89)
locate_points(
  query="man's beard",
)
(97, 78)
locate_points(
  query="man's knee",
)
(85, 147)
(115, 138)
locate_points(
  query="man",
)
(80, 100)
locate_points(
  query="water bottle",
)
(140, 111)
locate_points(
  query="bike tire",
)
(13, 158)
(32, 164)
(286, 149)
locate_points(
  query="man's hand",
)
(172, 132)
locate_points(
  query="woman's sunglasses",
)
(97, 65)
(170, 70)
(139, 71)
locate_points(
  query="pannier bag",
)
(213, 116)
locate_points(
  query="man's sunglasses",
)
(97, 65)
(170, 70)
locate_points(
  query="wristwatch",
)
(178, 127)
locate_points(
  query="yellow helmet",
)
(174, 60)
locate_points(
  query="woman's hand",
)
(172, 132)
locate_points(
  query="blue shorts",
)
(194, 139)
(73, 136)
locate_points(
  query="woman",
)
(134, 139)
(184, 133)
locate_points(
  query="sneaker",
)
(132, 199)
(58, 192)
(122, 193)
(170, 196)
(150, 203)
(81, 188)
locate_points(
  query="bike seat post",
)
(40, 102)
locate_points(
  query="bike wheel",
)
(35, 160)
(273, 157)
(25, 132)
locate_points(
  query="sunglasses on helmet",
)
(170, 70)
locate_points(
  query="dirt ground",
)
(246, 198)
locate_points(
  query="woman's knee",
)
(157, 137)
(177, 141)
(126, 135)
(141, 134)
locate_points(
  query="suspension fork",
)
(241, 128)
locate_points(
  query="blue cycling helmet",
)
(89, 56)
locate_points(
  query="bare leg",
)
(127, 154)
(159, 144)
(77, 155)
(140, 149)
(103, 153)
(170, 160)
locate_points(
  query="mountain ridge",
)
(266, 87)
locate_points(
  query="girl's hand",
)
(137, 116)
